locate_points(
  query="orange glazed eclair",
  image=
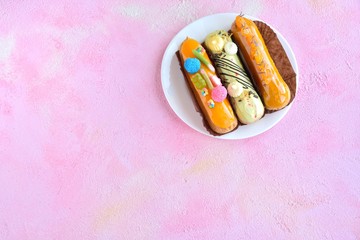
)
(206, 87)
(272, 88)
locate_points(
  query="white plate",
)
(179, 96)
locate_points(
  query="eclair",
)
(242, 94)
(210, 95)
(278, 54)
(270, 85)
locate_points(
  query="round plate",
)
(178, 94)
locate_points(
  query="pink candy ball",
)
(219, 93)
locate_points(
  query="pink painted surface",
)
(90, 149)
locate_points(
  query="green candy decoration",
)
(198, 81)
(198, 54)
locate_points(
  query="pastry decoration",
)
(198, 81)
(204, 92)
(235, 89)
(199, 53)
(192, 65)
(215, 80)
(207, 79)
(211, 103)
(219, 93)
(230, 48)
(215, 43)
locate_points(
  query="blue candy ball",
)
(192, 65)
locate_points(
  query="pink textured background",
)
(90, 149)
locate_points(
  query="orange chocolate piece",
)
(272, 88)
